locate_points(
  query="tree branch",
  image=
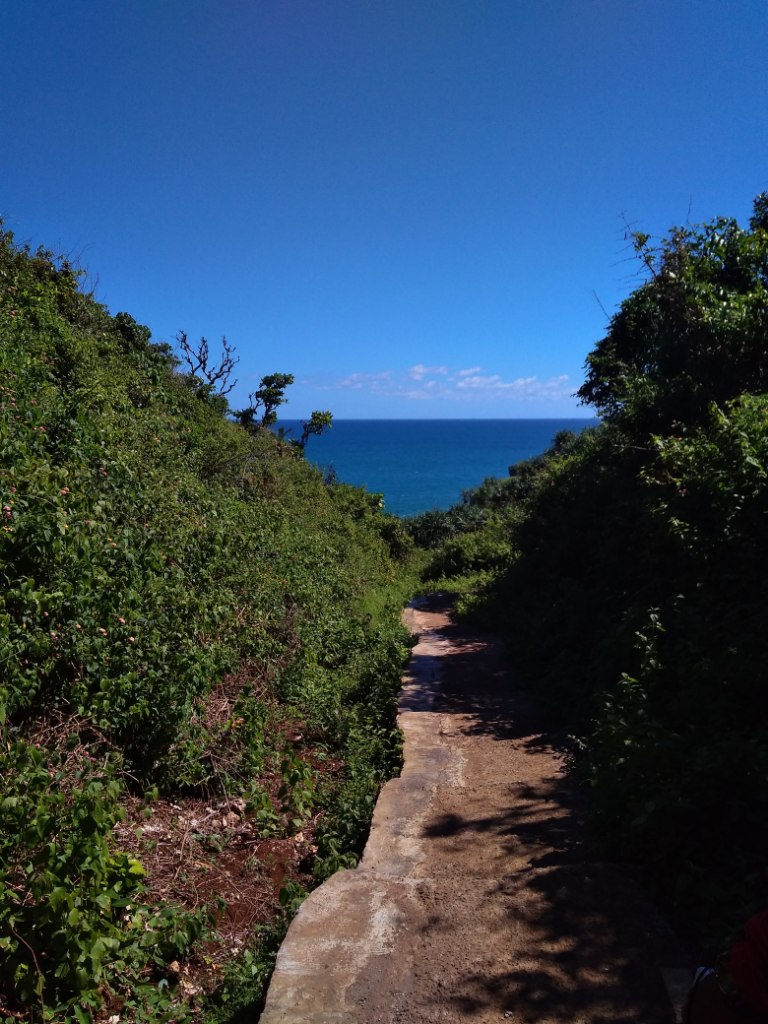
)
(197, 359)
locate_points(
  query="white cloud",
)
(472, 369)
(522, 388)
(482, 382)
(432, 389)
(420, 370)
(469, 387)
(371, 381)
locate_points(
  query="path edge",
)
(353, 916)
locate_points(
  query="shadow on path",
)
(578, 940)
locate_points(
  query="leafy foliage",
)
(484, 549)
(693, 334)
(431, 529)
(269, 397)
(634, 594)
(68, 898)
(315, 426)
(152, 553)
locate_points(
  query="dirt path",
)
(478, 898)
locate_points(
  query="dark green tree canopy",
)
(269, 397)
(694, 333)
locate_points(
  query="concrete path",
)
(478, 897)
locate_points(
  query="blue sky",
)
(408, 204)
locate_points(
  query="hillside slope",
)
(200, 653)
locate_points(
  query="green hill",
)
(200, 649)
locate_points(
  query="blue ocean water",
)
(425, 464)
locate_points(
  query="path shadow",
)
(595, 941)
(595, 944)
(597, 950)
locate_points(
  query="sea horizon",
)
(420, 464)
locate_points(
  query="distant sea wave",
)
(424, 464)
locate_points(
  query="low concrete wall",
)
(344, 940)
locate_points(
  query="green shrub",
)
(72, 918)
(485, 549)
(431, 529)
(159, 562)
(634, 599)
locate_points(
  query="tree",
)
(316, 425)
(694, 333)
(269, 397)
(198, 361)
(134, 335)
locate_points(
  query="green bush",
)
(484, 549)
(153, 551)
(431, 529)
(634, 598)
(72, 918)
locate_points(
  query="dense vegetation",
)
(200, 649)
(200, 640)
(628, 566)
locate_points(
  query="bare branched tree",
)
(197, 359)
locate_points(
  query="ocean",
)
(425, 464)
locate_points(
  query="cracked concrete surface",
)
(478, 897)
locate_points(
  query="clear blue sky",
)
(406, 203)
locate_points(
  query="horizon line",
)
(445, 419)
